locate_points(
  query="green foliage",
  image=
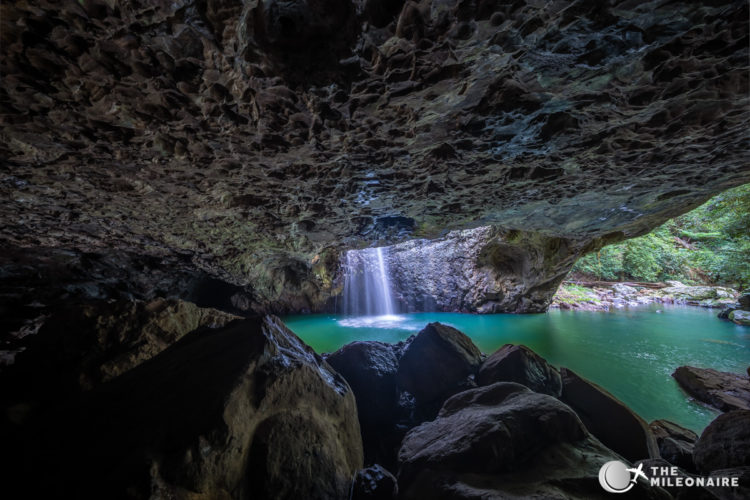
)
(605, 264)
(711, 244)
(574, 294)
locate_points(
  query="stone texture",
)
(705, 296)
(84, 345)
(504, 441)
(246, 410)
(257, 139)
(370, 368)
(725, 443)
(482, 270)
(742, 318)
(439, 362)
(374, 483)
(518, 363)
(607, 418)
(675, 443)
(722, 390)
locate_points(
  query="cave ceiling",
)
(241, 136)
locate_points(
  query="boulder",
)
(675, 443)
(725, 443)
(246, 410)
(370, 368)
(518, 363)
(439, 362)
(724, 313)
(374, 483)
(84, 345)
(625, 291)
(744, 300)
(706, 296)
(504, 441)
(742, 318)
(722, 390)
(607, 418)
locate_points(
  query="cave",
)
(354, 250)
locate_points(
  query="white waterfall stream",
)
(367, 287)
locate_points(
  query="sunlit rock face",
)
(255, 140)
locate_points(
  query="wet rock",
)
(246, 410)
(742, 318)
(501, 441)
(370, 368)
(744, 300)
(607, 418)
(722, 390)
(517, 363)
(439, 362)
(725, 443)
(374, 483)
(675, 443)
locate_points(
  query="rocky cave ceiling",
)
(242, 138)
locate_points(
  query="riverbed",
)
(630, 352)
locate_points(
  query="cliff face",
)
(252, 141)
(481, 270)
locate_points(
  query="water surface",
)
(631, 353)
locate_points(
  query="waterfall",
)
(367, 286)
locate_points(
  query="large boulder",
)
(742, 318)
(439, 362)
(83, 345)
(675, 443)
(370, 368)
(504, 441)
(608, 418)
(246, 410)
(518, 363)
(722, 390)
(724, 313)
(725, 443)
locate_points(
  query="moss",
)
(574, 294)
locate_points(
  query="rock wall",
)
(257, 139)
(482, 270)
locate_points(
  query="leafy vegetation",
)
(709, 245)
(575, 294)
